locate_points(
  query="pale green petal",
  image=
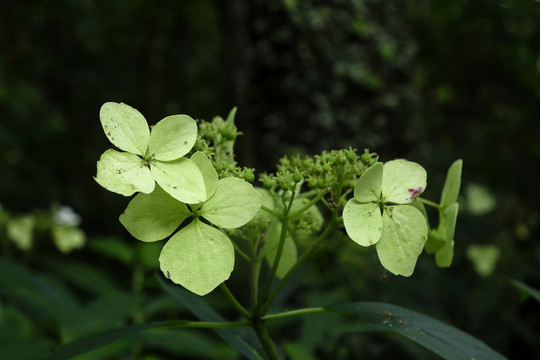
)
(435, 241)
(153, 217)
(363, 222)
(208, 172)
(289, 254)
(20, 230)
(403, 181)
(452, 184)
(68, 238)
(172, 137)
(403, 237)
(124, 173)
(368, 187)
(484, 258)
(181, 178)
(199, 257)
(234, 203)
(444, 256)
(125, 127)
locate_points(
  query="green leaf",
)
(363, 222)
(434, 242)
(402, 240)
(20, 230)
(234, 203)
(154, 216)
(243, 339)
(434, 335)
(125, 127)
(452, 184)
(526, 290)
(289, 255)
(124, 173)
(368, 187)
(172, 137)
(199, 257)
(208, 172)
(68, 238)
(181, 178)
(403, 181)
(444, 256)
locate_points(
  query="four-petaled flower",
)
(149, 156)
(379, 214)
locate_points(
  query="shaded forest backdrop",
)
(428, 81)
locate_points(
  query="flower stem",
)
(429, 203)
(234, 301)
(266, 341)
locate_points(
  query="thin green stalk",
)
(234, 301)
(308, 205)
(333, 223)
(241, 252)
(266, 341)
(429, 203)
(205, 324)
(293, 313)
(271, 212)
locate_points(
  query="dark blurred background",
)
(428, 81)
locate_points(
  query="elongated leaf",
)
(181, 178)
(526, 290)
(199, 257)
(363, 222)
(208, 172)
(153, 217)
(403, 181)
(402, 240)
(125, 127)
(444, 256)
(368, 187)
(172, 137)
(444, 340)
(234, 203)
(124, 173)
(243, 339)
(452, 184)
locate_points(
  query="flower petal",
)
(452, 184)
(172, 137)
(181, 178)
(124, 173)
(368, 187)
(402, 240)
(153, 217)
(363, 222)
(234, 203)
(447, 227)
(199, 257)
(403, 181)
(125, 127)
(208, 172)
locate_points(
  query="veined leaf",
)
(436, 336)
(234, 203)
(368, 187)
(199, 257)
(452, 184)
(181, 178)
(363, 222)
(403, 181)
(172, 137)
(403, 237)
(154, 216)
(125, 127)
(124, 173)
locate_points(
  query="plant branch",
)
(266, 341)
(429, 203)
(309, 204)
(234, 301)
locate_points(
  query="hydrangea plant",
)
(203, 195)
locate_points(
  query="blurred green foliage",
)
(429, 81)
